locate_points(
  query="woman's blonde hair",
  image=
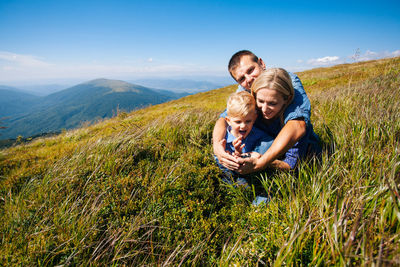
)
(241, 104)
(275, 79)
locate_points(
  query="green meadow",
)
(142, 188)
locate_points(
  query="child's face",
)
(241, 126)
(269, 102)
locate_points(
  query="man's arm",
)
(224, 158)
(290, 134)
(300, 107)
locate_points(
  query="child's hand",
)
(237, 144)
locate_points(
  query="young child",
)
(242, 139)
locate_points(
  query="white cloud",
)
(368, 55)
(22, 60)
(8, 68)
(17, 67)
(371, 55)
(396, 53)
(335, 60)
(324, 61)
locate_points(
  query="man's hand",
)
(226, 159)
(219, 143)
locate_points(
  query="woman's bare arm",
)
(287, 137)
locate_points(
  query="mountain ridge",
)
(88, 101)
(14, 101)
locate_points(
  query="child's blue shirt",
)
(257, 141)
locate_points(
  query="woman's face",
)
(270, 103)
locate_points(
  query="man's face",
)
(247, 71)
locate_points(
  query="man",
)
(245, 67)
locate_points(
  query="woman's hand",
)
(255, 155)
(248, 165)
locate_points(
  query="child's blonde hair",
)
(275, 79)
(241, 104)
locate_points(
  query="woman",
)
(273, 91)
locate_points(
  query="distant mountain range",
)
(14, 101)
(29, 115)
(184, 85)
(44, 89)
(189, 85)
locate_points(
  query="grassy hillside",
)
(142, 188)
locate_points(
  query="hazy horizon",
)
(73, 41)
(175, 84)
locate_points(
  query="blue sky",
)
(60, 41)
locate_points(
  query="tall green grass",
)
(143, 189)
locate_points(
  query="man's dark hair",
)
(235, 59)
